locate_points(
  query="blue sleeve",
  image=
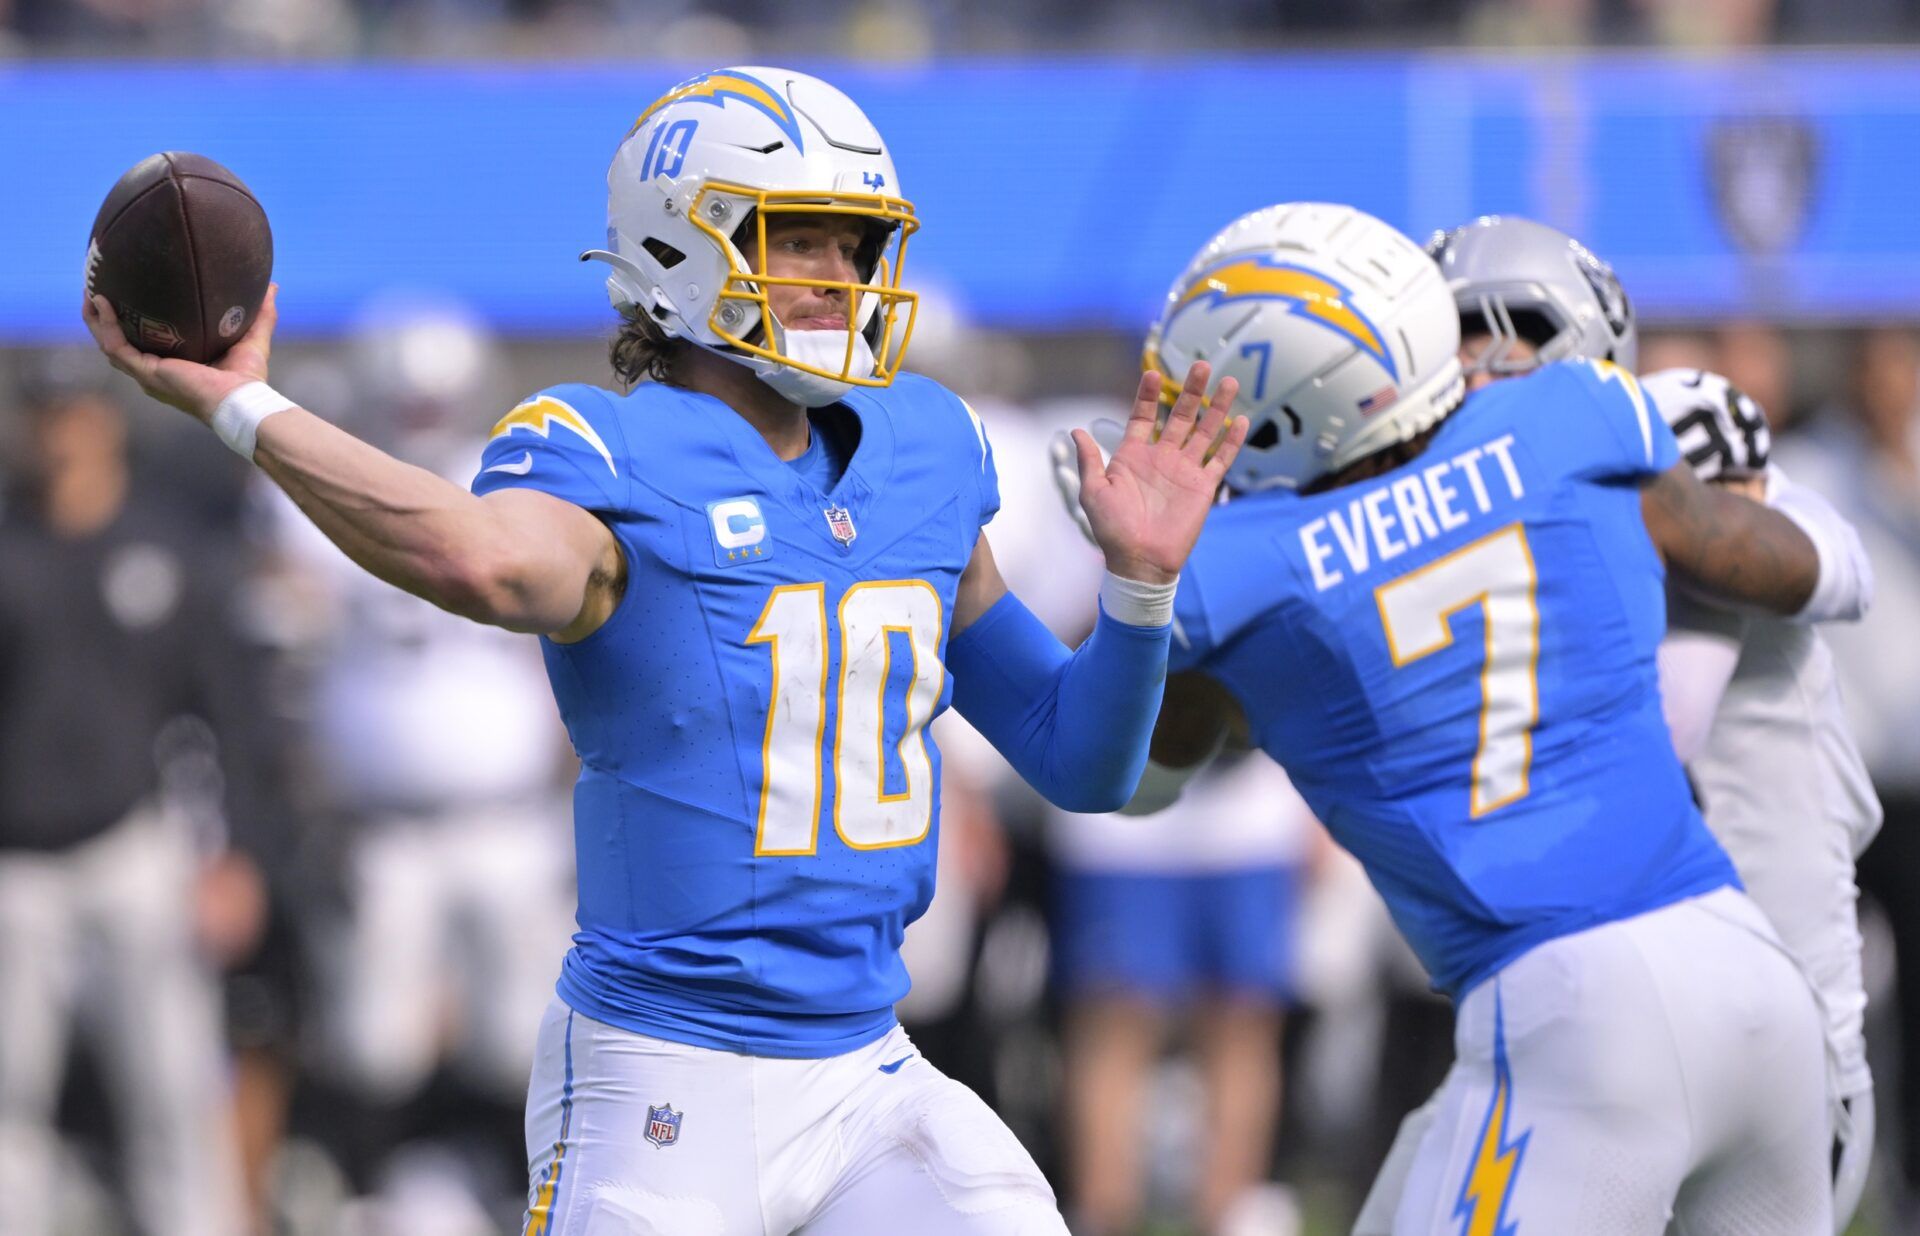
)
(565, 441)
(1607, 428)
(1074, 724)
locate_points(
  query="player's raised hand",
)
(1146, 505)
(193, 388)
(1063, 460)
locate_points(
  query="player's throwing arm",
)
(517, 559)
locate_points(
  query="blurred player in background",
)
(1440, 615)
(1183, 921)
(1864, 453)
(116, 620)
(1751, 699)
(435, 742)
(772, 542)
(1179, 924)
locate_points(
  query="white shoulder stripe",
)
(979, 431)
(1610, 372)
(1640, 410)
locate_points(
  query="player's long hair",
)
(642, 350)
(1386, 459)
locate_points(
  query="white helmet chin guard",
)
(1340, 331)
(688, 197)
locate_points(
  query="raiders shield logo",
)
(663, 1125)
(1763, 171)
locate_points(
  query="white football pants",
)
(876, 1140)
(1664, 1073)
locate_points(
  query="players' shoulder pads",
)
(920, 406)
(567, 441)
(1593, 417)
(573, 418)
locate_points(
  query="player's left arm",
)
(1728, 548)
(1793, 556)
(1075, 724)
(1198, 718)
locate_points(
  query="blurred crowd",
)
(285, 854)
(711, 31)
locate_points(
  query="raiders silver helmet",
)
(1514, 279)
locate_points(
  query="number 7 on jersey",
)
(1495, 573)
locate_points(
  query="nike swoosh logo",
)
(520, 468)
(895, 1066)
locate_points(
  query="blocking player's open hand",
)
(193, 388)
(1147, 504)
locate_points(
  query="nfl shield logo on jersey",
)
(840, 523)
(663, 1125)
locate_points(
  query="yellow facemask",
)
(733, 319)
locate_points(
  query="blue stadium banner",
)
(1055, 193)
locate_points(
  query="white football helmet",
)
(1339, 329)
(688, 198)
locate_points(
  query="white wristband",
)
(237, 419)
(1137, 604)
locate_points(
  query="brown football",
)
(182, 251)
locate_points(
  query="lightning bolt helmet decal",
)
(717, 88)
(1314, 297)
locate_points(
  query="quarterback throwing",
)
(757, 578)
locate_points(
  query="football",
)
(182, 251)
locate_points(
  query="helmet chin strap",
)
(822, 349)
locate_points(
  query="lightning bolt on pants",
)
(1663, 1073)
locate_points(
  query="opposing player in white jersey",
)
(1755, 709)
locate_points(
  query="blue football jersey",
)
(1455, 663)
(757, 811)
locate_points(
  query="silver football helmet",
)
(1514, 279)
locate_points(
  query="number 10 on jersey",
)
(866, 814)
